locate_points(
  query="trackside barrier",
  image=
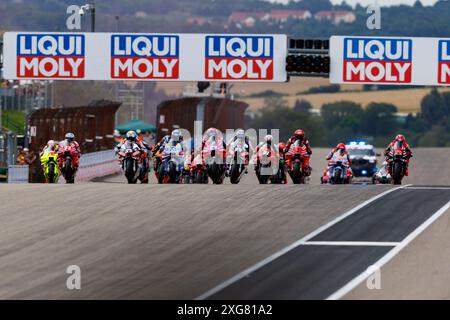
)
(18, 174)
(97, 164)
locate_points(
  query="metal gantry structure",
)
(308, 58)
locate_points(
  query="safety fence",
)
(92, 165)
(18, 174)
(97, 164)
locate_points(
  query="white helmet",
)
(240, 133)
(176, 135)
(268, 138)
(70, 137)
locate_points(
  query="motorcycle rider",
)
(282, 157)
(175, 138)
(239, 138)
(266, 143)
(299, 135)
(132, 137)
(69, 140)
(405, 148)
(155, 152)
(117, 137)
(50, 146)
(213, 135)
(342, 150)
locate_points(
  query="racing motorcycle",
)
(49, 162)
(338, 172)
(265, 164)
(382, 176)
(397, 163)
(280, 176)
(67, 160)
(214, 154)
(130, 159)
(296, 156)
(172, 165)
(238, 162)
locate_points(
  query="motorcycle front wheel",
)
(235, 173)
(397, 173)
(68, 171)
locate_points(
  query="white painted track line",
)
(391, 254)
(428, 188)
(351, 243)
(294, 245)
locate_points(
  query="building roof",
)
(285, 14)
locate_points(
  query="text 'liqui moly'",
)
(444, 62)
(50, 56)
(377, 60)
(144, 56)
(239, 57)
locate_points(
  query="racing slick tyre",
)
(235, 174)
(51, 173)
(397, 173)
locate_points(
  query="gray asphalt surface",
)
(316, 272)
(170, 241)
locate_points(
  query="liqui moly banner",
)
(151, 57)
(239, 58)
(390, 60)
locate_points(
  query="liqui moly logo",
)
(377, 60)
(239, 58)
(50, 56)
(145, 56)
(444, 62)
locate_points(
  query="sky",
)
(380, 2)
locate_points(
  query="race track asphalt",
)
(179, 241)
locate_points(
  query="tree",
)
(302, 106)
(433, 108)
(343, 114)
(379, 119)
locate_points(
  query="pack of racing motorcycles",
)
(178, 161)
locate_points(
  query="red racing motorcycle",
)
(68, 159)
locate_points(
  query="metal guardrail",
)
(96, 158)
(97, 164)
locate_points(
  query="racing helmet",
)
(341, 148)
(70, 137)
(210, 133)
(299, 134)
(116, 134)
(268, 139)
(240, 134)
(281, 146)
(51, 144)
(131, 135)
(176, 135)
(400, 137)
